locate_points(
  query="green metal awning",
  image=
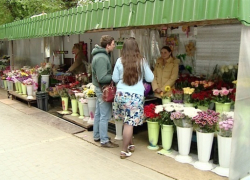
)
(114, 14)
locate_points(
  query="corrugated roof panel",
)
(127, 13)
(2, 32)
(244, 13)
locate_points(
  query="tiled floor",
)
(37, 145)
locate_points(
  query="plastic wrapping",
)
(240, 156)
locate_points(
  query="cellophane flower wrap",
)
(206, 121)
(226, 124)
(164, 112)
(187, 91)
(149, 113)
(184, 118)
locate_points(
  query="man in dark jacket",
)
(102, 75)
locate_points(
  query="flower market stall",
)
(210, 43)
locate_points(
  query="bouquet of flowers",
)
(229, 73)
(89, 90)
(202, 98)
(164, 112)
(224, 95)
(226, 124)
(184, 118)
(71, 93)
(149, 113)
(62, 90)
(82, 78)
(28, 81)
(187, 94)
(202, 85)
(206, 121)
(177, 96)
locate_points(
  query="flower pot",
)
(153, 135)
(118, 130)
(85, 112)
(184, 136)
(16, 87)
(20, 88)
(45, 78)
(203, 108)
(188, 105)
(74, 107)
(222, 107)
(24, 90)
(166, 101)
(91, 106)
(35, 84)
(5, 84)
(80, 105)
(10, 85)
(65, 102)
(224, 148)
(30, 92)
(204, 146)
(2, 83)
(167, 132)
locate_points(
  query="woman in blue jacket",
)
(129, 71)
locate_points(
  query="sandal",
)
(124, 154)
(131, 148)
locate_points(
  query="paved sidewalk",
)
(31, 149)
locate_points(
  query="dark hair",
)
(106, 40)
(131, 61)
(168, 49)
(77, 46)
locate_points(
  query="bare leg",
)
(127, 136)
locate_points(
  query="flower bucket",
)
(30, 92)
(222, 107)
(188, 105)
(80, 106)
(167, 132)
(204, 146)
(91, 107)
(184, 136)
(153, 135)
(24, 90)
(224, 148)
(203, 108)
(118, 130)
(166, 101)
(10, 85)
(5, 84)
(65, 102)
(16, 87)
(35, 84)
(20, 88)
(74, 107)
(85, 112)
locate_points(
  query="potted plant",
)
(166, 96)
(152, 119)
(74, 103)
(184, 124)
(29, 84)
(223, 99)
(62, 91)
(205, 125)
(90, 95)
(44, 72)
(188, 100)
(224, 139)
(166, 124)
(202, 99)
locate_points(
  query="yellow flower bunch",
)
(188, 90)
(90, 93)
(24, 74)
(166, 95)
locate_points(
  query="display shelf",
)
(78, 122)
(15, 95)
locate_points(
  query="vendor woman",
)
(78, 66)
(165, 72)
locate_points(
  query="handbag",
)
(108, 92)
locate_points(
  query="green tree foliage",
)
(13, 10)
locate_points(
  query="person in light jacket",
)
(166, 72)
(129, 71)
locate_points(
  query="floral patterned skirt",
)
(128, 107)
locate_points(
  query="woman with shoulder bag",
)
(128, 73)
